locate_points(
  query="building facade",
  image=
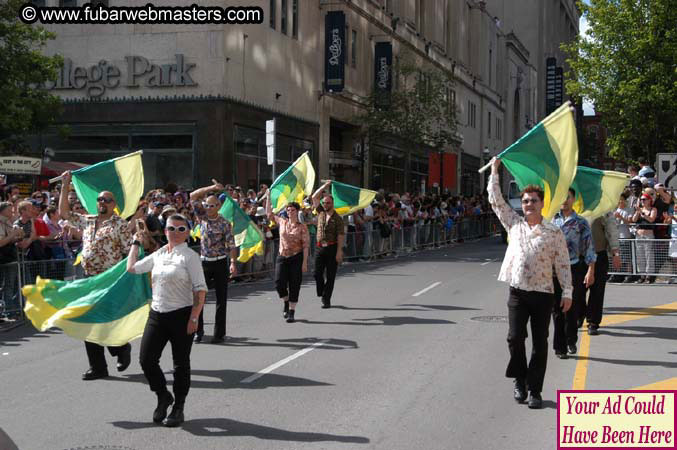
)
(196, 98)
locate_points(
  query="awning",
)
(56, 168)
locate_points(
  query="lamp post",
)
(485, 159)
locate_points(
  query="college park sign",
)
(138, 71)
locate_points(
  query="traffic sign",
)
(667, 169)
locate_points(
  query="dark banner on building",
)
(334, 51)
(383, 83)
(550, 73)
(559, 87)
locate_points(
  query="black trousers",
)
(288, 276)
(566, 323)
(96, 355)
(525, 306)
(325, 261)
(216, 275)
(593, 311)
(162, 328)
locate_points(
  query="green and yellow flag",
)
(546, 156)
(122, 176)
(247, 235)
(108, 309)
(597, 191)
(348, 199)
(293, 184)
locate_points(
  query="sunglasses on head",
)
(207, 205)
(104, 200)
(180, 229)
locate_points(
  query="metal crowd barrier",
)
(647, 257)
(359, 246)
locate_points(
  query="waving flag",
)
(294, 183)
(546, 156)
(348, 199)
(108, 309)
(247, 235)
(122, 176)
(597, 191)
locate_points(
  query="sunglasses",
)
(207, 205)
(180, 229)
(529, 201)
(104, 200)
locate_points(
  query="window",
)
(273, 13)
(450, 98)
(498, 128)
(283, 17)
(295, 19)
(472, 114)
(353, 48)
(489, 125)
(490, 66)
(68, 3)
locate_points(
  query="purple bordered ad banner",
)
(616, 419)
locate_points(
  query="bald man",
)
(106, 238)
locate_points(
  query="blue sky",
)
(588, 108)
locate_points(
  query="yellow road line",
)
(581, 372)
(666, 385)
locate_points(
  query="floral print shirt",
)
(216, 237)
(293, 238)
(102, 247)
(535, 254)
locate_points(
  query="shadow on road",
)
(23, 333)
(639, 311)
(294, 344)
(650, 332)
(410, 307)
(220, 427)
(630, 362)
(385, 320)
(230, 379)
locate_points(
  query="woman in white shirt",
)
(179, 291)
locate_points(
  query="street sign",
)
(20, 165)
(270, 140)
(667, 169)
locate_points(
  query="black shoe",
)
(92, 374)
(639, 280)
(579, 323)
(520, 390)
(197, 339)
(572, 348)
(175, 417)
(326, 305)
(592, 331)
(124, 358)
(217, 340)
(285, 310)
(535, 400)
(290, 319)
(164, 401)
(562, 355)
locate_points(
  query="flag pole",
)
(139, 152)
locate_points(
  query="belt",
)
(215, 258)
(325, 244)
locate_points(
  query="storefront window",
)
(251, 166)
(418, 170)
(388, 170)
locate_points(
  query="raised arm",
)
(64, 207)
(199, 193)
(505, 214)
(318, 193)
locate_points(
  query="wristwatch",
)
(193, 320)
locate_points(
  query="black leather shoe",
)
(175, 417)
(290, 318)
(520, 391)
(326, 305)
(197, 339)
(217, 340)
(124, 358)
(592, 331)
(92, 374)
(535, 400)
(572, 349)
(164, 401)
(285, 310)
(562, 355)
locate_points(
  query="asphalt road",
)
(412, 356)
